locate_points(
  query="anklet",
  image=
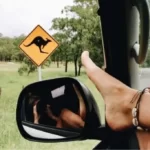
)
(135, 111)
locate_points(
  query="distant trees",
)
(77, 31)
(81, 31)
(9, 48)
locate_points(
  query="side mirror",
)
(59, 109)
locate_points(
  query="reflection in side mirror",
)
(62, 107)
(55, 109)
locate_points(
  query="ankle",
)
(129, 105)
(143, 110)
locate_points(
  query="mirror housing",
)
(42, 132)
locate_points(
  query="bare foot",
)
(144, 139)
(117, 96)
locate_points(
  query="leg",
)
(117, 97)
(42, 51)
(144, 139)
(70, 119)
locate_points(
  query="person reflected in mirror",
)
(70, 119)
(66, 118)
(31, 102)
(36, 110)
(42, 115)
(82, 109)
(120, 101)
(35, 114)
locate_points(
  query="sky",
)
(22, 16)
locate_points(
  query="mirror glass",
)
(53, 111)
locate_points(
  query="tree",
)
(62, 53)
(29, 67)
(18, 53)
(6, 48)
(81, 25)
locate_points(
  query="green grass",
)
(11, 84)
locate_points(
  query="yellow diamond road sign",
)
(38, 45)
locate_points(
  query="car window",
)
(144, 72)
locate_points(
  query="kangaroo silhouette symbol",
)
(40, 43)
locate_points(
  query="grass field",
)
(11, 84)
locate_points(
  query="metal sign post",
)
(39, 73)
